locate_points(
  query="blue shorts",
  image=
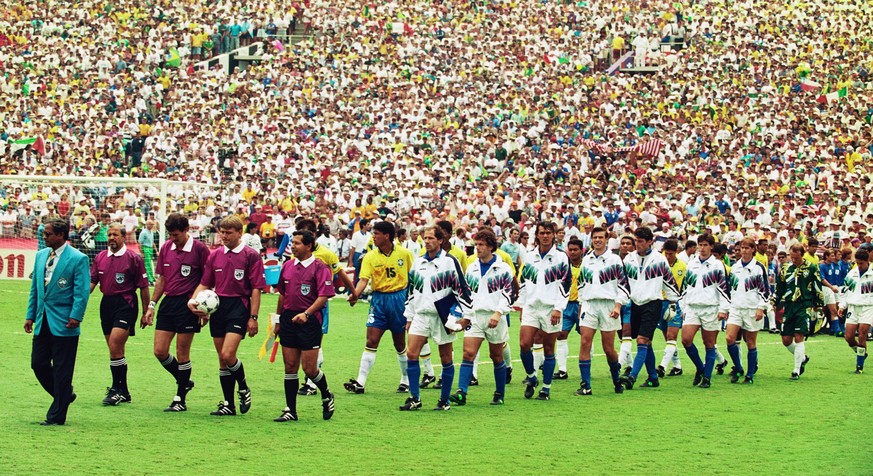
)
(571, 317)
(625, 314)
(675, 320)
(325, 318)
(386, 311)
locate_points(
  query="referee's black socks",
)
(292, 384)
(118, 367)
(239, 373)
(320, 381)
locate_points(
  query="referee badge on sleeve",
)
(304, 289)
(185, 270)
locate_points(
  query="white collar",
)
(120, 252)
(60, 249)
(306, 262)
(235, 250)
(188, 246)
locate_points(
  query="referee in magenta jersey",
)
(236, 273)
(305, 285)
(119, 272)
(181, 261)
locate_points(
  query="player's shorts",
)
(595, 315)
(704, 316)
(668, 318)
(386, 311)
(174, 316)
(644, 318)
(540, 318)
(478, 328)
(116, 312)
(306, 336)
(430, 326)
(795, 320)
(325, 318)
(232, 316)
(625, 314)
(828, 295)
(570, 318)
(859, 315)
(745, 319)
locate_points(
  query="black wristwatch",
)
(307, 314)
(254, 316)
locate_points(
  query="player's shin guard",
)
(239, 374)
(799, 355)
(753, 363)
(171, 365)
(465, 375)
(625, 352)
(669, 352)
(320, 381)
(500, 378)
(292, 383)
(710, 362)
(639, 360)
(424, 357)
(118, 367)
(448, 377)
(734, 352)
(227, 385)
(719, 357)
(507, 355)
(538, 356)
(585, 371)
(650, 364)
(694, 355)
(527, 360)
(562, 350)
(413, 372)
(182, 379)
(402, 362)
(548, 369)
(368, 358)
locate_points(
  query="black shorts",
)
(232, 317)
(174, 316)
(116, 312)
(306, 336)
(644, 319)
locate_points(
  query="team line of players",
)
(432, 296)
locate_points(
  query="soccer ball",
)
(207, 301)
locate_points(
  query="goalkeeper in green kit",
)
(798, 292)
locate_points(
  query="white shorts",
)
(704, 316)
(430, 326)
(595, 315)
(829, 296)
(541, 319)
(478, 328)
(860, 315)
(745, 319)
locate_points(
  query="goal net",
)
(89, 204)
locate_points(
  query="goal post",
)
(89, 204)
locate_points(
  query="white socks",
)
(562, 350)
(507, 355)
(799, 356)
(625, 354)
(669, 352)
(538, 356)
(367, 361)
(426, 364)
(402, 361)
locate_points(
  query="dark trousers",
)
(53, 360)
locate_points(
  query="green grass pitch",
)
(819, 425)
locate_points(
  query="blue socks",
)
(527, 362)
(639, 360)
(614, 370)
(413, 370)
(499, 377)
(734, 351)
(710, 362)
(585, 371)
(650, 365)
(448, 377)
(465, 375)
(753, 363)
(549, 369)
(694, 355)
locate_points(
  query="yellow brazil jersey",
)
(807, 256)
(328, 257)
(575, 271)
(387, 273)
(678, 268)
(762, 258)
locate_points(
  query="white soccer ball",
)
(207, 301)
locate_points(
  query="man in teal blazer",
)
(59, 293)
